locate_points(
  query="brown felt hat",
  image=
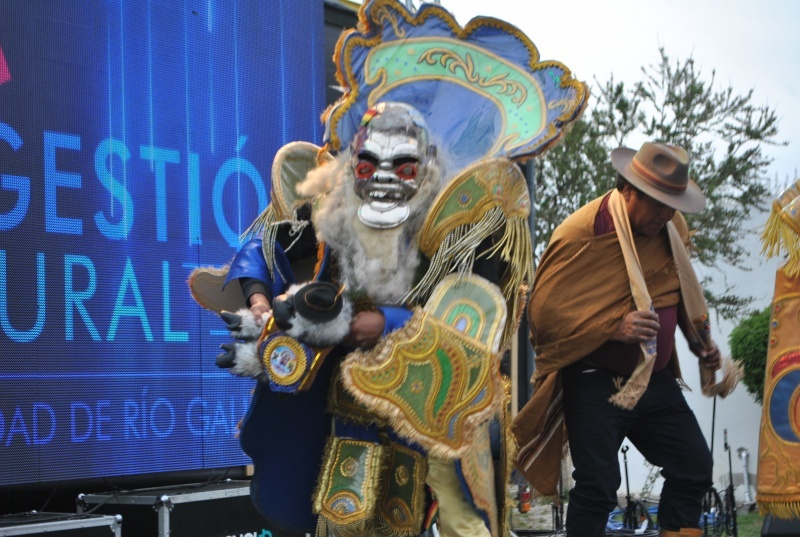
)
(662, 172)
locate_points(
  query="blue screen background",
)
(136, 142)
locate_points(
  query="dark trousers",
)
(661, 426)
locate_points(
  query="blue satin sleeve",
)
(395, 318)
(249, 262)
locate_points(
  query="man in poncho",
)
(613, 285)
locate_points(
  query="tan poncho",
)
(581, 292)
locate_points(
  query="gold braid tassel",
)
(457, 254)
(266, 226)
(516, 249)
(782, 229)
(771, 236)
(784, 510)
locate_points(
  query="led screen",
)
(136, 142)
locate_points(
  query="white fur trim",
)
(249, 329)
(248, 363)
(381, 263)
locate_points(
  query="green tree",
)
(749, 345)
(726, 134)
(570, 174)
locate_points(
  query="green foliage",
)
(572, 173)
(749, 343)
(673, 103)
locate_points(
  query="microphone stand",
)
(629, 517)
(730, 501)
(708, 501)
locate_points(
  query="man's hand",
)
(366, 329)
(710, 357)
(637, 327)
(259, 305)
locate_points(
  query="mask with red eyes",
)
(389, 158)
(405, 171)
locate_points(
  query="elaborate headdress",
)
(485, 96)
(482, 89)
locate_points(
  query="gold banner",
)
(778, 484)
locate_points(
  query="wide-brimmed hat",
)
(662, 172)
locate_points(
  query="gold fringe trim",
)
(516, 249)
(384, 529)
(771, 236)
(395, 417)
(267, 218)
(789, 509)
(457, 254)
(327, 528)
(781, 233)
(266, 226)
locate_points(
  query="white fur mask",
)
(380, 262)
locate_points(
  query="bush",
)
(749, 343)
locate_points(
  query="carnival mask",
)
(389, 156)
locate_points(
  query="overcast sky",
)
(750, 46)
